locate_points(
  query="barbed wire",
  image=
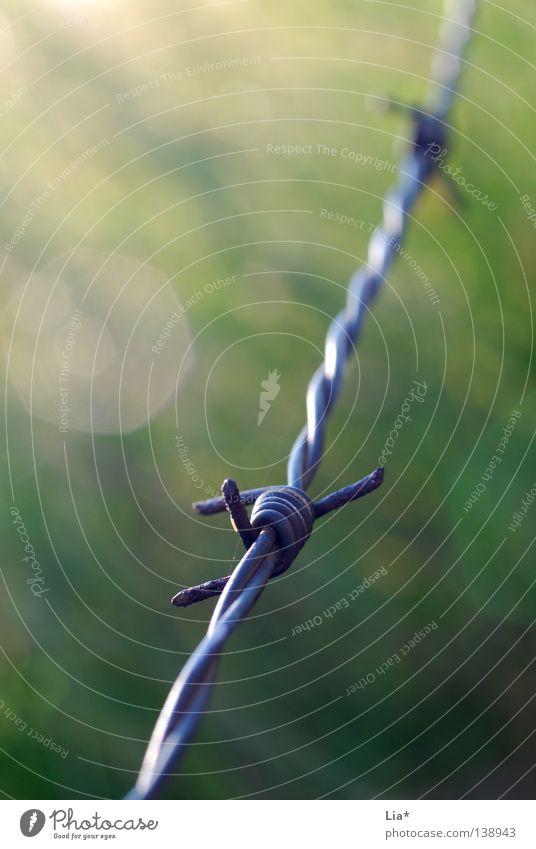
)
(282, 517)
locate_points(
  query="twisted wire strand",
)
(283, 528)
(285, 519)
(190, 693)
(386, 240)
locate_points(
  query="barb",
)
(200, 592)
(282, 517)
(237, 511)
(216, 505)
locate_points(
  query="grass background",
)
(181, 193)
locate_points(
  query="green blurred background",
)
(136, 166)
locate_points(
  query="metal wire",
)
(331, 502)
(415, 168)
(282, 517)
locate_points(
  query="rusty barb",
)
(235, 503)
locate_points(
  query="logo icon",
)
(31, 822)
(270, 390)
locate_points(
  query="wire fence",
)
(282, 517)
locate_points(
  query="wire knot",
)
(291, 513)
(287, 510)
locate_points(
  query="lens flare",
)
(83, 339)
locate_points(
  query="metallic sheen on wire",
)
(189, 696)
